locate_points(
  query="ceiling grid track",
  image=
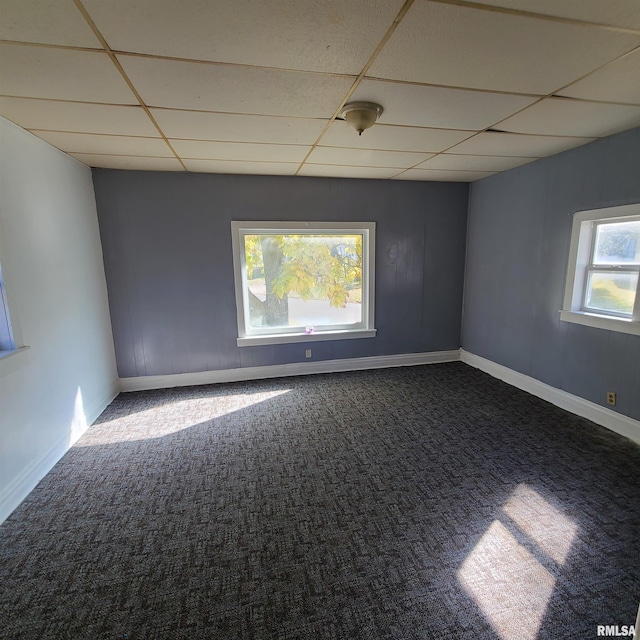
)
(536, 16)
(401, 14)
(118, 66)
(540, 99)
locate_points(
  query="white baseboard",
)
(143, 383)
(23, 484)
(600, 415)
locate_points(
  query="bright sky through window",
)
(603, 272)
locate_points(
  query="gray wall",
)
(167, 249)
(518, 242)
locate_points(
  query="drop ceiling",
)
(256, 87)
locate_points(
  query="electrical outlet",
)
(307, 353)
(611, 398)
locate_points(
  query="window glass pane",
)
(613, 292)
(303, 280)
(617, 243)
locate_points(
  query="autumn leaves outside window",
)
(308, 281)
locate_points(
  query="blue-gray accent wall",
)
(517, 250)
(166, 240)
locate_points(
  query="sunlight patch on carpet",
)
(547, 526)
(505, 574)
(172, 417)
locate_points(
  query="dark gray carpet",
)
(424, 502)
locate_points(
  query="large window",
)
(300, 282)
(603, 276)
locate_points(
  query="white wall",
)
(51, 258)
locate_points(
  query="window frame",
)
(7, 341)
(10, 334)
(581, 264)
(265, 336)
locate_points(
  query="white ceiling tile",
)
(618, 13)
(323, 35)
(106, 144)
(394, 138)
(459, 46)
(473, 163)
(515, 144)
(239, 151)
(567, 117)
(45, 22)
(366, 157)
(419, 106)
(443, 176)
(212, 87)
(236, 166)
(230, 127)
(617, 82)
(31, 113)
(334, 171)
(61, 74)
(129, 162)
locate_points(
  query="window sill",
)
(13, 360)
(4, 355)
(286, 338)
(621, 325)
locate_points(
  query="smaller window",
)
(7, 343)
(603, 280)
(303, 281)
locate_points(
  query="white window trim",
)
(364, 330)
(579, 258)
